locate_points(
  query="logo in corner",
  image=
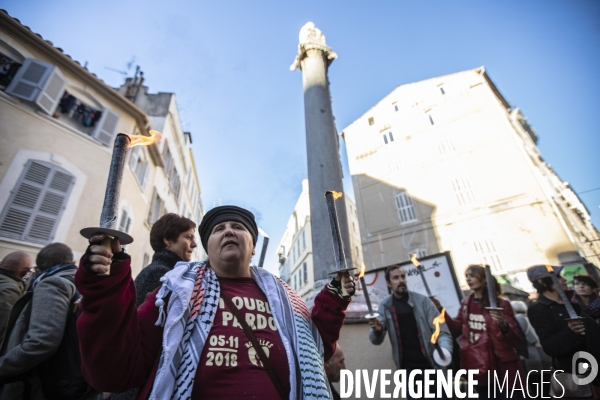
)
(580, 367)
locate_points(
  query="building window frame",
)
(37, 202)
(405, 208)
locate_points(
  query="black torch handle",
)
(563, 297)
(422, 273)
(367, 299)
(439, 350)
(336, 236)
(491, 286)
(263, 252)
(110, 207)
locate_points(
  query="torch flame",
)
(141, 140)
(336, 195)
(413, 259)
(437, 321)
(549, 268)
(362, 271)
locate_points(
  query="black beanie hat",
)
(227, 213)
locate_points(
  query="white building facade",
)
(295, 247)
(446, 164)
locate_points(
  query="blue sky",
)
(228, 63)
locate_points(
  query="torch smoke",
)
(110, 207)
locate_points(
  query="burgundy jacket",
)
(504, 344)
(121, 345)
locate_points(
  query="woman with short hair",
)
(172, 238)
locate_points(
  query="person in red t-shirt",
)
(185, 341)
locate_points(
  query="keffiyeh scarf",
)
(189, 316)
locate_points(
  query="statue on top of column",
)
(311, 37)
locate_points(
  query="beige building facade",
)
(295, 247)
(446, 164)
(58, 123)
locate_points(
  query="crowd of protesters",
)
(222, 328)
(497, 338)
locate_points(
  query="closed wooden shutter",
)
(37, 203)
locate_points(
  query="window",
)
(446, 146)
(157, 208)
(300, 280)
(388, 137)
(406, 208)
(303, 239)
(371, 121)
(8, 69)
(124, 221)
(487, 254)
(395, 107)
(305, 269)
(168, 158)
(175, 183)
(442, 91)
(37, 202)
(100, 124)
(463, 191)
(139, 166)
(430, 119)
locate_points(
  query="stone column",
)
(322, 146)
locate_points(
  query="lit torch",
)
(263, 251)
(338, 245)
(441, 355)
(572, 314)
(110, 207)
(361, 276)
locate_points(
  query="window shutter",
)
(106, 127)
(52, 92)
(145, 175)
(133, 158)
(29, 79)
(125, 222)
(35, 206)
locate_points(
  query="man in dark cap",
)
(559, 338)
(215, 329)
